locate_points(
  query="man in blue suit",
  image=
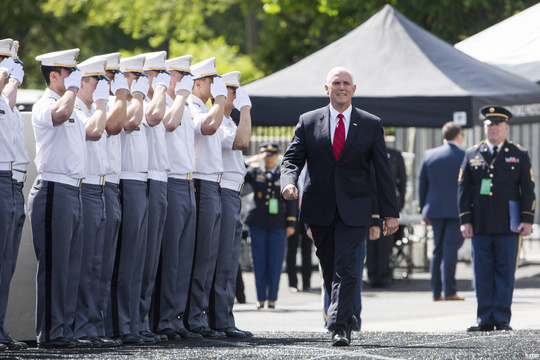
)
(339, 143)
(437, 188)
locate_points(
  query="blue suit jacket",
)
(438, 182)
(343, 184)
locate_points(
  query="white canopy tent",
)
(512, 45)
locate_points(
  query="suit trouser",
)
(127, 275)
(337, 249)
(93, 202)
(378, 254)
(157, 210)
(10, 236)
(207, 197)
(357, 305)
(448, 240)
(113, 210)
(56, 216)
(267, 251)
(220, 308)
(176, 258)
(495, 259)
(306, 243)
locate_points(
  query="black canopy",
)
(403, 74)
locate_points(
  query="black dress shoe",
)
(94, 340)
(232, 332)
(58, 343)
(130, 339)
(351, 324)
(188, 335)
(3, 347)
(157, 337)
(246, 332)
(170, 334)
(13, 344)
(208, 333)
(503, 326)
(81, 343)
(480, 327)
(339, 338)
(147, 340)
(107, 342)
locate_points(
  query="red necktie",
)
(339, 137)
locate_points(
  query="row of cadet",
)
(135, 213)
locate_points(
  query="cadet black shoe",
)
(157, 337)
(80, 343)
(58, 343)
(232, 332)
(339, 338)
(480, 327)
(188, 335)
(170, 334)
(503, 326)
(246, 332)
(208, 333)
(13, 344)
(94, 340)
(147, 340)
(107, 342)
(131, 340)
(3, 347)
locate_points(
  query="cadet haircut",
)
(450, 131)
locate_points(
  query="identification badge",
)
(273, 206)
(485, 187)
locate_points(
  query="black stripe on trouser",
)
(197, 185)
(114, 280)
(156, 301)
(48, 259)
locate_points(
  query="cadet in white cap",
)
(91, 107)
(233, 140)
(123, 313)
(208, 171)
(21, 160)
(178, 240)
(158, 167)
(55, 205)
(116, 118)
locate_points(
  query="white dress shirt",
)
(334, 121)
(134, 153)
(181, 145)
(233, 161)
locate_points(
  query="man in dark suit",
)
(339, 143)
(437, 188)
(495, 175)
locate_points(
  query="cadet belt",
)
(18, 175)
(140, 176)
(115, 179)
(6, 166)
(209, 177)
(60, 178)
(187, 176)
(158, 175)
(232, 185)
(94, 180)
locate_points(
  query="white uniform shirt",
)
(158, 161)
(181, 144)
(134, 153)
(96, 151)
(7, 154)
(59, 149)
(209, 160)
(233, 162)
(114, 150)
(21, 160)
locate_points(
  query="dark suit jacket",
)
(438, 182)
(343, 184)
(397, 164)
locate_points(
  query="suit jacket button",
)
(490, 193)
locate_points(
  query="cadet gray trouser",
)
(127, 276)
(207, 197)
(86, 317)
(56, 215)
(230, 238)
(11, 223)
(176, 259)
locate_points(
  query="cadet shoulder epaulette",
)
(476, 145)
(518, 145)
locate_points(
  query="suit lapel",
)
(325, 131)
(354, 123)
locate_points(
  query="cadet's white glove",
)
(7, 65)
(162, 79)
(185, 84)
(119, 82)
(17, 73)
(242, 99)
(218, 88)
(140, 85)
(102, 91)
(73, 80)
